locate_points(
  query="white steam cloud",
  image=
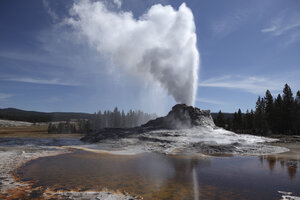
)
(159, 46)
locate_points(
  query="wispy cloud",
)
(235, 18)
(280, 26)
(30, 57)
(294, 37)
(285, 25)
(41, 81)
(210, 101)
(49, 10)
(270, 29)
(255, 85)
(5, 96)
(281, 29)
(228, 24)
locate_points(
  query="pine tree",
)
(287, 95)
(116, 118)
(239, 120)
(235, 121)
(297, 105)
(229, 124)
(278, 115)
(288, 114)
(123, 119)
(248, 121)
(99, 121)
(260, 121)
(269, 108)
(298, 98)
(252, 118)
(220, 121)
(95, 121)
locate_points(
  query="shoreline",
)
(79, 193)
(11, 187)
(13, 156)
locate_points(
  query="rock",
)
(180, 117)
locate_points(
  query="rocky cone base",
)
(180, 117)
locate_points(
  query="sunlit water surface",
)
(157, 176)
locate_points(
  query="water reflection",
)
(290, 164)
(196, 185)
(156, 176)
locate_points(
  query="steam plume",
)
(159, 46)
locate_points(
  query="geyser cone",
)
(181, 117)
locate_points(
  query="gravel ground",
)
(13, 157)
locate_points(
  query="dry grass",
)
(32, 132)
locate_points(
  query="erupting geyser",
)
(160, 45)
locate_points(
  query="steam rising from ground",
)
(159, 46)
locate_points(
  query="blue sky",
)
(246, 47)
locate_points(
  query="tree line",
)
(280, 115)
(120, 119)
(107, 119)
(81, 126)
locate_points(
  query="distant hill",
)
(33, 116)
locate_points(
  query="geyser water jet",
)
(160, 46)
